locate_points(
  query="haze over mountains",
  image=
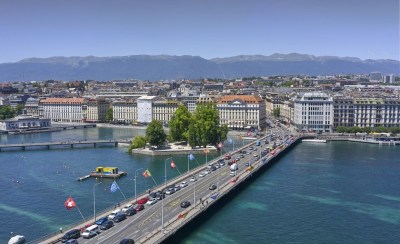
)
(161, 67)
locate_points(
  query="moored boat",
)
(314, 140)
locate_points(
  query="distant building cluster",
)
(317, 103)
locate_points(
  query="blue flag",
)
(230, 141)
(191, 157)
(214, 196)
(114, 187)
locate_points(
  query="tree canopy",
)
(155, 133)
(204, 128)
(138, 142)
(276, 112)
(179, 124)
(7, 112)
(109, 115)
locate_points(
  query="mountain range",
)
(162, 67)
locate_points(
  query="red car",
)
(139, 207)
(143, 200)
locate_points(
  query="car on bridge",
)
(212, 187)
(106, 225)
(143, 200)
(152, 201)
(130, 211)
(139, 207)
(127, 241)
(114, 213)
(202, 174)
(120, 217)
(127, 207)
(101, 221)
(185, 204)
(183, 184)
(193, 179)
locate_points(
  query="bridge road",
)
(143, 223)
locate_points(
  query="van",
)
(91, 231)
(72, 234)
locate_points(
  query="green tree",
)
(7, 112)
(19, 108)
(341, 129)
(276, 112)
(179, 124)
(155, 133)
(366, 129)
(138, 142)
(204, 128)
(109, 115)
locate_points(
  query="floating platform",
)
(104, 175)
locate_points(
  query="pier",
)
(62, 144)
(159, 222)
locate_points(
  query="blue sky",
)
(207, 28)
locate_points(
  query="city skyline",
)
(363, 29)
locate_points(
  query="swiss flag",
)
(70, 203)
(173, 165)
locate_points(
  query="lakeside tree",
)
(138, 142)
(204, 128)
(109, 115)
(179, 124)
(19, 108)
(155, 133)
(7, 112)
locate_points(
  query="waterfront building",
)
(125, 111)
(314, 112)
(287, 112)
(24, 122)
(343, 112)
(69, 110)
(273, 101)
(96, 110)
(145, 109)
(164, 109)
(32, 106)
(242, 111)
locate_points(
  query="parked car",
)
(212, 187)
(170, 191)
(193, 179)
(130, 211)
(101, 221)
(126, 207)
(185, 204)
(91, 231)
(120, 217)
(160, 195)
(72, 234)
(72, 241)
(207, 172)
(114, 213)
(152, 201)
(143, 200)
(127, 241)
(183, 184)
(202, 174)
(177, 187)
(107, 225)
(139, 207)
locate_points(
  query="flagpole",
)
(135, 182)
(80, 212)
(154, 180)
(188, 163)
(94, 199)
(162, 201)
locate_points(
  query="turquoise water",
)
(318, 193)
(338, 192)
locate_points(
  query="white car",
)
(114, 213)
(126, 207)
(207, 172)
(217, 165)
(151, 201)
(232, 173)
(193, 179)
(183, 184)
(209, 166)
(202, 174)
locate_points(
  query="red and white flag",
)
(70, 203)
(173, 165)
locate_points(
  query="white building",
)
(314, 112)
(242, 111)
(24, 122)
(96, 110)
(67, 110)
(145, 109)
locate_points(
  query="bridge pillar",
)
(94, 144)
(48, 146)
(116, 144)
(72, 145)
(23, 148)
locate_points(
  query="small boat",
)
(18, 239)
(314, 140)
(107, 172)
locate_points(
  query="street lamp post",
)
(94, 199)
(135, 182)
(162, 193)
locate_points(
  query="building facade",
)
(164, 109)
(24, 123)
(125, 111)
(96, 110)
(242, 111)
(68, 110)
(145, 109)
(314, 112)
